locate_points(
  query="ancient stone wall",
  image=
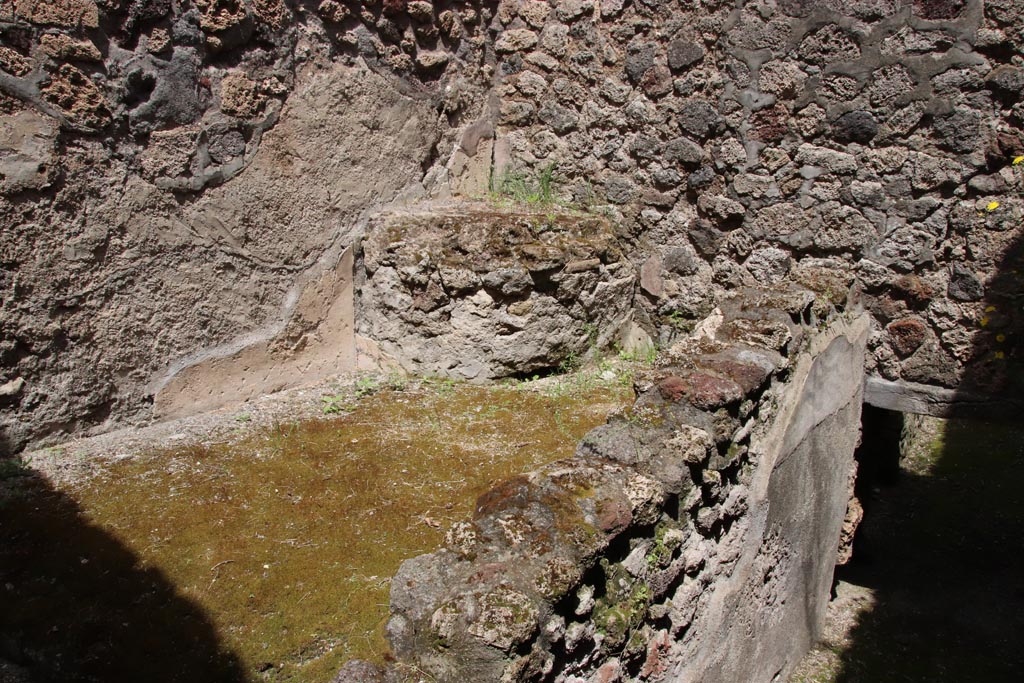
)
(691, 539)
(176, 175)
(759, 141)
(179, 182)
(484, 294)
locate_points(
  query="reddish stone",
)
(710, 392)
(913, 290)
(610, 672)
(431, 298)
(769, 125)
(704, 391)
(650, 276)
(657, 81)
(672, 388)
(907, 335)
(655, 664)
(613, 515)
(748, 376)
(514, 493)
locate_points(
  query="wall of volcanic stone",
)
(815, 140)
(179, 183)
(176, 175)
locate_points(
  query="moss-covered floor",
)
(267, 558)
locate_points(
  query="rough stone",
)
(240, 96)
(829, 44)
(27, 146)
(832, 160)
(768, 265)
(964, 285)
(432, 59)
(1007, 82)
(907, 335)
(781, 78)
(683, 53)
(960, 130)
(698, 117)
(855, 126)
(639, 60)
(554, 39)
(62, 47)
(561, 119)
(938, 9)
(889, 84)
(619, 190)
(704, 391)
(72, 14)
(516, 40)
(682, 151)
(571, 10)
(506, 618)
(530, 263)
(77, 98)
(720, 206)
(534, 13)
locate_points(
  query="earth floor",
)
(258, 544)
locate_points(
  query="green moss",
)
(665, 545)
(623, 607)
(287, 539)
(611, 621)
(557, 578)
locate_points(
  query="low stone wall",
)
(691, 539)
(480, 293)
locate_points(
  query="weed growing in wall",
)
(532, 189)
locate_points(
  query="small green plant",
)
(243, 417)
(680, 321)
(443, 385)
(571, 363)
(396, 381)
(665, 545)
(523, 188)
(336, 404)
(367, 386)
(646, 354)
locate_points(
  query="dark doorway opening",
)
(938, 561)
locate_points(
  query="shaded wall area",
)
(939, 547)
(944, 514)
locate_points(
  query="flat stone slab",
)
(923, 399)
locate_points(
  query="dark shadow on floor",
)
(942, 543)
(76, 606)
(944, 554)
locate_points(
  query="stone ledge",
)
(924, 399)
